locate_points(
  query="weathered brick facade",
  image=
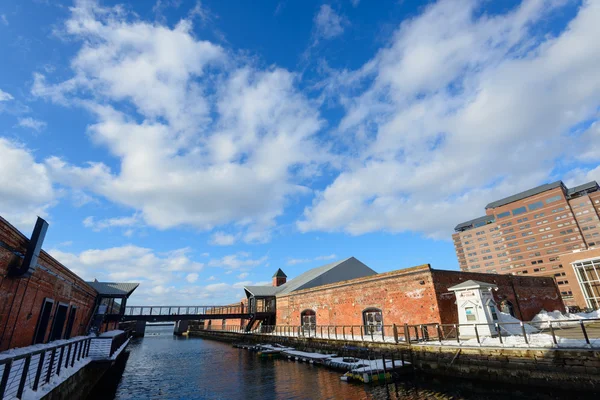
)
(415, 295)
(21, 298)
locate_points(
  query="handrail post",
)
(352, 332)
(23, 377)
(38, 373)
(395, 330)
(362, 337)
(439, 331)
(477, 334)
(499, 333)
(52, 357)
(524, 333)
(457, 335)
(552, 332)
(75, 353)
(383, 333)
(585, 335)
(60, 359)
(406, 334)
(4, 381)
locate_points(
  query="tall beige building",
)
(528, 232)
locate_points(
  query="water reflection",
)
(163, 366)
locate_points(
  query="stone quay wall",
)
(576, 369)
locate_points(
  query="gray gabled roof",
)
(525, 194)
(349, 268)
(484, 220)
(471, 284)
(114, 288)
(261, 291)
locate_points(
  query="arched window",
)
(372, 320)
(308, 320)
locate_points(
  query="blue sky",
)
(196, 147)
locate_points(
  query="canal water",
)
(164, 366)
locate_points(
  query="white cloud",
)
(243, 275)
(295, 261)
(32, 123)
(191, 278)
(118, 222)
(237, 261)
(328, 23)
(129, 263)
(212, 278)
(460, 109)
(209, 141)
(222, 239)
(3, 19)
(4, 96)
(25, 188)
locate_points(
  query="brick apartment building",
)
(529, 233)
(41, 300)
(348, 292)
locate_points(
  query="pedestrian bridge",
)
(187, 313)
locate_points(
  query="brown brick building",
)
(328, 296)
(528, 233)
(47, 301)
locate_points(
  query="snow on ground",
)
(55, 381)
(541, 340)
(512, 325)
(559, 319)
(313, 356)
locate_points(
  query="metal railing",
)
(554, 334)
(37, 368)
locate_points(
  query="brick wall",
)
(528, 295)
(21, 299)
(404, 296)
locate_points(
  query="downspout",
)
(512, 285)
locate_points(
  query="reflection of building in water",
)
(348, 292)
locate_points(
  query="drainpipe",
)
(516, 297)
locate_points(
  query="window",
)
(535, 206)
(373, 320)
(58, 325)
(552, 199)
(503, 215)
(493, 312)
(470, 312)
(44, 319)
(70, 322)
(518, 211)
(308, 318)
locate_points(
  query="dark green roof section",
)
(527, 193)
(474, 223)
(583, 189)
(279, 274)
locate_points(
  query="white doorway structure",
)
(476, 307)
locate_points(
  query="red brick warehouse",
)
(348, 292)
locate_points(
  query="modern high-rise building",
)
(528, 232)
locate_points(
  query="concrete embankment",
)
(574, 369)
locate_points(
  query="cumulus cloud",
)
(222, 239)
(237, 261)
(32, 123)
(4, 96)
(459, 109)
(118, 222)
(328, 23)
(26, 189)
(191, 278)
(295, 261)
(243, 275)
(207, 140)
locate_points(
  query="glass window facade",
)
(535, 206)
(588, 276)
(519, 210)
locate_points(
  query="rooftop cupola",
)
(279, 278)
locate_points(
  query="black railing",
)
(558, 334)
(37, 368)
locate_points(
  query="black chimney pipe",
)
(33, 249)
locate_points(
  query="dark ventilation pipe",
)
(33, 250)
